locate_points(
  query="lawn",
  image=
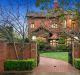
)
(56, 55)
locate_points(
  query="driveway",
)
(49, 65)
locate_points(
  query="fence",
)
(7, 51)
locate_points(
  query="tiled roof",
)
(51, 13)
(54, 36)
(42, 14)
(36, 14)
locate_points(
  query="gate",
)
(70, 57)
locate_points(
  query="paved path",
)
(49, 65)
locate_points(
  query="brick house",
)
(49, 25)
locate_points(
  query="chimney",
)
(55, 4)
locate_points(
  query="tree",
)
(15, 16)
(6, 32)
(76, 5)
(43, 4)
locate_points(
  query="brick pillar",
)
(2, 54)
(34, 51)
(76, 50)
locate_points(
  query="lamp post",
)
(37, 53)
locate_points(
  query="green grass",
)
(56, 55)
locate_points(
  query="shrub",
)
(19, 65)
(61, 40)
(43, 46)
(27, 40)
(61, 47)
(77, 63)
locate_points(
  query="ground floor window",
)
(53, 43)
(68, 41)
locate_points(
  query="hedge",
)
(77, 63)
(19, 65)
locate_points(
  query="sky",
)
(30, 3)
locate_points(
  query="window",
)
(32, 25)
(54, 25)
(53, 43)
(64, 24)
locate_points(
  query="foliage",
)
(6, 32)
(42, 44)
(77, 63)
(62, 3)
(19, 65)
(61, 40)
(61, 44)
(43, 4)
(26, 40)
(40, 40)
(62, 34)
(61, 47)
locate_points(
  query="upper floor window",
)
(64, 24)
(32, 25)
(54, 25)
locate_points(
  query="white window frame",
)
(32, 25)
(53, 42)
(54, 25)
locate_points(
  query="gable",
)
(41, 31)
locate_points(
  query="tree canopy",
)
(67, 4)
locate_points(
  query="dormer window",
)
(32, 25)
(54, 25)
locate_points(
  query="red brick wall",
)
(7, 51)
(46, 22)
(70, 24)
(3, 54)
(76, 50)
(77, 54)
